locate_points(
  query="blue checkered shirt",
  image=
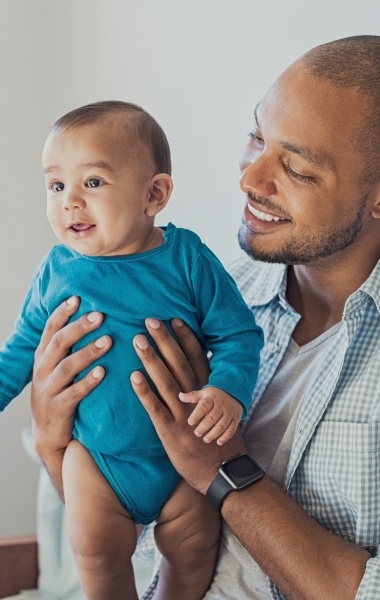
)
(334, 465)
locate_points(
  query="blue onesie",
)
(181, 278)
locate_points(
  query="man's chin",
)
(255, 253)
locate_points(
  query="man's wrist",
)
(234, 475)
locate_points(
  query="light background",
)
(199, 66)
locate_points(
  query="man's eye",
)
(305, 178)
(93, 182)
(255, 137)
(58, 186)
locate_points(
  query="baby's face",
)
(96, 198)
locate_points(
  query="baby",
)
(107, 170)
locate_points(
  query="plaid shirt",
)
(334, 466)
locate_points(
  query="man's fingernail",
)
(178, 322)
(71, 301)
(141, 342)
(97, 373)
(93, 317)
(136, 377)
(154, 323)
(101, 342)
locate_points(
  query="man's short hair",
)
(141, 129)
(354, 62)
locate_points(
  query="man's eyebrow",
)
(255, 113)
(319, 161)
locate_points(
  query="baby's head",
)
(107, 170)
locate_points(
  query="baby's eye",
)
(94, 182)
(57, 186)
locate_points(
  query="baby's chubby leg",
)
(187, 535)
(102, 534)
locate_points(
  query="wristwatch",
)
(234, 475)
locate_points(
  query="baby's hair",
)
(141, 130)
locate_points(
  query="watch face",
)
(241, 470)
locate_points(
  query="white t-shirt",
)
(269, 436)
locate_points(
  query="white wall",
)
(199, 66)
(23, 232)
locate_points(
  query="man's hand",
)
(184, 367)
(54, 395)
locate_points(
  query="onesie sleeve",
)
(228, 326)
(17, 353)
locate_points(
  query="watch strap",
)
(217, 491)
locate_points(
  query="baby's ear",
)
(159, 193)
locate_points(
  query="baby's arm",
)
(217, 413)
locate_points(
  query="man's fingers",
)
(72, 395)
(69, 367)
(172, 354)
(64, 339)
(159, 373)
(192, 350)
(57, 320)
(156, 409)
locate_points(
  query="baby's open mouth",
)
(81, 226)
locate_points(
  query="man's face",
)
(96, 197)
(302, 173)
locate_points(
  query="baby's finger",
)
(217, 431)
(228, 434)
(204, 407)
(210, 421)
(190, 397)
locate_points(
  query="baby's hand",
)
(220, 414)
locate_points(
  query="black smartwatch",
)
(234, 475)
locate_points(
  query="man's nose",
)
(257, 175)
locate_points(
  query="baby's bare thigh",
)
(92, 505)
(187, 517)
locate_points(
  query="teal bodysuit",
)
(181, 278)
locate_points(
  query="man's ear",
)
(376, 203)
(159, 193)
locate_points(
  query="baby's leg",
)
(187, 535)
(102, 533)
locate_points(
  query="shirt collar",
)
(272, 281)
(369, 289)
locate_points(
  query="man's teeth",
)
(263, 216)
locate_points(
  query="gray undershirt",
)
(269, 436)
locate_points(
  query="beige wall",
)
(200, 67)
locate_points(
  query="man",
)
(311, 175)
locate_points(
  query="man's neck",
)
(319, 292)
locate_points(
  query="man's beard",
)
(312, 247)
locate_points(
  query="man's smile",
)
(263, 216)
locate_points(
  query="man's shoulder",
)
(257, 281)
